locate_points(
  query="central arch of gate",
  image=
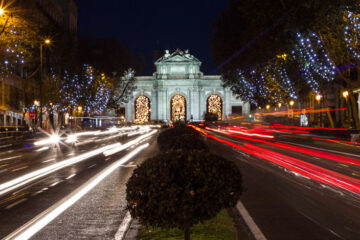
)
(178, 108)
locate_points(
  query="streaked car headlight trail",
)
(40, 221)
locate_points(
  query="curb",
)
(254, 229)
(124, 227)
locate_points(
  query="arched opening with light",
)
(142, 109)
(215, 105)
(178, 108)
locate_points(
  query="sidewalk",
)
(100, 212)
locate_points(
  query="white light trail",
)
(9, 158)
(42, 149)
(40, 221)
(127, 145)
(71, 139)
(53, 139)
(32, 176)
(25, 179)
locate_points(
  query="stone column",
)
(246, 108)
(166, 105)
(153, 106)
(227, 103)
(128, 110)
(189, 103)
(202, 103)
(160, 109)
(195, 104)
(358, 104)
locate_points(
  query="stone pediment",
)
(177, 56)
(178, 63)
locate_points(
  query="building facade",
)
(61, 15)
(178, 90)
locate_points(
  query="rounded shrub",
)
(183, 137)
(182, 188)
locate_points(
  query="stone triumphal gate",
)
(178, 90)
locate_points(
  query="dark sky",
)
(146, 25)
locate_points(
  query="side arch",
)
(142, 109)
(214, 104)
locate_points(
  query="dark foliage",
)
(108, 55)
(255, 31)
(182, 188)
(180, 137)
(210, 117)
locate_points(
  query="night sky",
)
(144, 25)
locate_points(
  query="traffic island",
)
(219, 227)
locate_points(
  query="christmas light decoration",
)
(352, 33)
(313, 60)
(214, 105)
(178, 108)
(142, 109)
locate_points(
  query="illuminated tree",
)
(263, 84)
(352, 33)
(316, 66)
(122, 88)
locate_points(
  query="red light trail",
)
(303, 168)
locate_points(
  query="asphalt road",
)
(296, 187)
(34, 178)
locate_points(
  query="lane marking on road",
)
(50, 160)
(92, 166)
(124, 226)
(7, 145)
(9, 158)
(16, 203)
(42, 149)
(255, 230)
(30, 228)
(322, 149)
(71, 176)
(18, 169)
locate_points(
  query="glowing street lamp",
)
(292, 102)
(36, 103)
(279, 105)
(345, 94)
(2, 11)
(79, 108)
(268, 106)
(318, 97)
(46, 41)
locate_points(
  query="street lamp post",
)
(318, 98)
(345, 95)
(36, 103)
(291, 103)
(46, 42)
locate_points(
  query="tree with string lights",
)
(122, 88)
